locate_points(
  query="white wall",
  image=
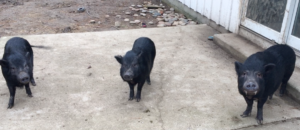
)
(226, 13)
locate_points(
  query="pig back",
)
(146, 46)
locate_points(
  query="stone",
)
(134, 9)
(166, 19)
(150, 10)
(126, 19)
(151, 23)
(144, 11)
(182, 23)
(132, 5)
(155, 14)
(171, 9)
(185, 21)
(106, 16)
(137, 21)
(80, 10)
(192, 23)
(161, 22)
(190, 19)
(99, 22)
(171, 21)
(168, 24)
(132, 22)
(159, 19)
(182, 16)
(118, 16)
(92, 21)
(140, 6)
(127, 12)
(65, 30)
(135, 15)
(161, 11)
(143, 14)
(175, 18)
(168, 12)
(161, 25)
(117, 23)
(165, 15)
(175, 23)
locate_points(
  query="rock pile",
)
(163, 16)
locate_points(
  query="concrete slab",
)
(193, 85)
(241, 48)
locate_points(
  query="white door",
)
(266, 17)
(293, 38)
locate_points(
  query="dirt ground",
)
(27, 17)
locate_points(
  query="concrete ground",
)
(193, 86)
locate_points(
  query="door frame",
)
(265, 31)
(291, 40)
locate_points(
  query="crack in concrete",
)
(269, 123)
(160, 99)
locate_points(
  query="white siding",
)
(224, 12)
(194, 4)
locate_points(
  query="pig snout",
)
(251, 88)
(23, 78)
(128, 75)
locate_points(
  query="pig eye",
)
(13, 68)
(244, 73)
(135, 65)
(259, 75)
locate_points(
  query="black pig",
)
(261, 75)
(137, 64)
(17, 66)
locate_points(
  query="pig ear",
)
(269, 67)
(3, 62)
(27, 54)
(238, 65)
(119, 59)
(140, 54)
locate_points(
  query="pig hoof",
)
(280, 95)
(245, 115)
(138, 100)
(10, 106)
(131, 98)
(149, 83)
(259, 122)
(30, 95)
(33, 83)
(270, 97)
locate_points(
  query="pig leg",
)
(131, 93)
(28, 91)
(31, 73)
(285, 79)
(260, 104)
(148, 80)
(32, 79)
(282, 89)
(270, 96)
(139, 90)
(12, 92)
(248, 110)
